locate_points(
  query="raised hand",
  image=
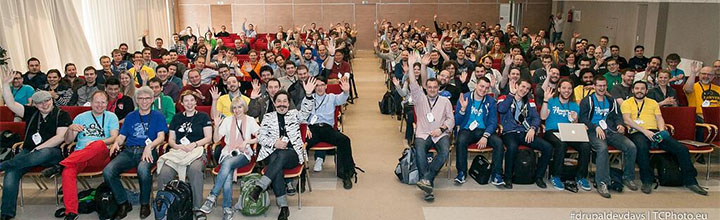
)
(344, 84)
(426, 59)
(7, 77)
(214, 93)
(247, 66)
(463, 77)
(144, 76)
(309, 86)
(255, 89)
(576, 35)
(695, 67)
(463, 102)
(548, 94)
(396, 82)
(145, 33)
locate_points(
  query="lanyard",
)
(639, 109)
(433, 104)
(323, 102)
(482, 101)
(102, 128)
(237, 124)
(703, 88)
(192, 121)
(604, 103)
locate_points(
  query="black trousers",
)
(326, 133)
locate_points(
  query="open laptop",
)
(572, 132)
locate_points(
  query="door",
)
(641, 22)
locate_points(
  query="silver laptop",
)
(572, 132)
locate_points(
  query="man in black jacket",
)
(601, 114)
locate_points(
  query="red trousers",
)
(92, 158)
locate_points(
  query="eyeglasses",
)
(144, 98)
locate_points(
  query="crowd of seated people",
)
(485, 86)
(143, 111)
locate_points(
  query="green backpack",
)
(245, 205)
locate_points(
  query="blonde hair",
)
(239, 102)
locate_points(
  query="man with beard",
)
(224, 101)
(493, 75)
(296, 90)
(575, 77)
(605, 125)
(199, 89)
(262, 103)
(392, 56)
(463, 64)
(71, 79)
(85, 91)
(34, 77)
(650, 74)
(446, 89)
(623, 91)
(306, 60)
(281, 146)
(613, 74)
(643, 115)
(518, 62)
(550, 83)
(20, 91)
(540, 74)
(586, 88)
(702, 93)
(222, 78)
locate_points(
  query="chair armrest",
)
(670, 129)
(712, 131)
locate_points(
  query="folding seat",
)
(682, 126)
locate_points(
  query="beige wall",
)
(690, 29)
(267, 15)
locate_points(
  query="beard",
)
(639, 95)
(587, 83)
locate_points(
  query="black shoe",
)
(508, 185)
(646, 188)
(701, 159)
(697, 189)
(540, 183)
(290, 189)
(347, 184)
(144, 211)
(429, 197)
(284, 213)
(123, 210)
(255, 194)
(6, 217)
(71, 216)
(52, 171)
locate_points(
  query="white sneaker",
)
(318, 164)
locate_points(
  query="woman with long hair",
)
(127, 83)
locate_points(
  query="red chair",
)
(74, 111)
(294, 173)
(14, 127)
(711, 116)
(242, 171)
(681, 97)
(682, 127)
(204, 108)
(323, 145)
(158, 61)
(334, 89)
(6, 114)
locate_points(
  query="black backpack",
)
(569, 170)
(8, 138)
(524, 167)
(105, 203)
(480, 170)
(387, 104)
(668, 170)
(174, 202)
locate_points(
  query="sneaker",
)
(556, 182)
(584, 184)
(200, 216)
(429, 197)
(347, 183)
(290, 189)
(497, 180)
(646, 188)
(630, 185)
(425, 186)
(541, 183)
(71, 216)
(697, 189)
(508, 185)
(209, 204)
(52, 171)
(602, 189)
(228, 213)
(318, 164)
(284, 213)
(460, 179)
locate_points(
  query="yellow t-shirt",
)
(150, 71)
(224, 102)
(702, 93)
(649, 110)
(580, 93)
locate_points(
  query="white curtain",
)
(77, 31)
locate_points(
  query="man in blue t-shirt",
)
(602, 116)
(476, 115)
(142, 131)
(20, 91)
(560, 107)
(94, 130)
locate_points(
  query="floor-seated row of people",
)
(102, 144)
(476, 118)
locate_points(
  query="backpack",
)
(387, 104)
(174, 202)
(616, 176)
(668, 170)
(480, 170)
(406, 169)
(244, 204)
(105, 203)
(86, 203)
(524, 167)
(569, 169)
(8, 138)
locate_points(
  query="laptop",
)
(572, 132)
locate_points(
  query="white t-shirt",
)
(251, 127)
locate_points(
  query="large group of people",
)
(458, 82)
(138, 105)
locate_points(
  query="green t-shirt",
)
(612, 80)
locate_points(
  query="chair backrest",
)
(75, 110)
(204, 108)
(683, 119)
(6, 114)
(334, 89)
(14, 127)
(711, 115)
(680, 95)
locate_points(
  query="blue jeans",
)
(225, 176)
(671, 146)
(425, 170)
(600, 147)
(127, 159)
(512, 140)
(466, 138)
(17, 167)
(560, 149)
